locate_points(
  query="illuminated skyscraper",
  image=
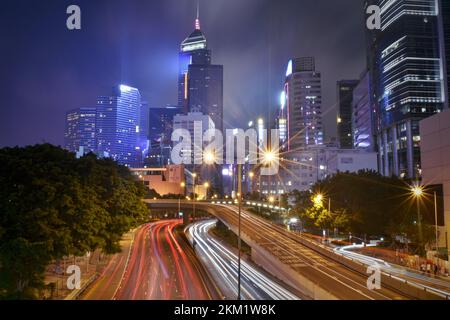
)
(118, 126)
(407, 62)
(303, 103)
(160, 132)
(200, 83)
(80, 130)
(345, 109)
(364, 115)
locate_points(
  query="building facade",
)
(301, 170)
(80, 134)
(345, 110)
(444, 40)
(200, 83)
(408, 68)
(435, 151)
(303, 103)
(364, 114)
(160, 132)
(118, 126)
(165, 180)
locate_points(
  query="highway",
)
(333, 277)
(221, 262)
(161, 265)
(435, 284)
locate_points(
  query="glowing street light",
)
(210, 157)
(271, 199)
(268, 157)
(417, 192)
(251, 174)
(318, 199)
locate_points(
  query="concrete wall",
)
(435, 153)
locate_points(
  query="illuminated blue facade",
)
(118, 126)
(408, 73)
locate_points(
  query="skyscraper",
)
(444, 39)
(200, 83)
(364, 112)
(160, 131)
(80, 130)
(118, 126)
(303, 94)
(197, 124)
(408, 69)
(344, 103)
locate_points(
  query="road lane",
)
(222, 263)
(159, 266)
(289, 249)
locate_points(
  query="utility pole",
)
(239, 228)
(436, 221)
(419, 222)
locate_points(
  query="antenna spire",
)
(197, 21)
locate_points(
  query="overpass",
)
(315, 270)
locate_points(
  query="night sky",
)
(46, 69)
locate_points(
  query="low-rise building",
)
(435, 157)
(301, 170)
(166, 180)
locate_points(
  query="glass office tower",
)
(408, 69)
(118, 126)
(80, 130)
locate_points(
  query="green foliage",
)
(53, 205)
(363, 203)
(152, 194)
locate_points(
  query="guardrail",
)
(256, 204)
(332, 253)
(75, 294)
(442, 294)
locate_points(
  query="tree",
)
(365, 203)
(53, 205)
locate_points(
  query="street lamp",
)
(194, 175)
(206, 190)
(182, 185)
(268, 157)
(417, 192)
(209, 157)
(239, 197)
(318, 198)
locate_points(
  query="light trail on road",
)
(160, 269)
(345, 283)
(255, 284)
(437, 285)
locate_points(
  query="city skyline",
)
(225, 150)
(84, 80)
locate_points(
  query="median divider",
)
(407, 288)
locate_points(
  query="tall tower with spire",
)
(197, 21)
(200, 83)
(200, 90)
